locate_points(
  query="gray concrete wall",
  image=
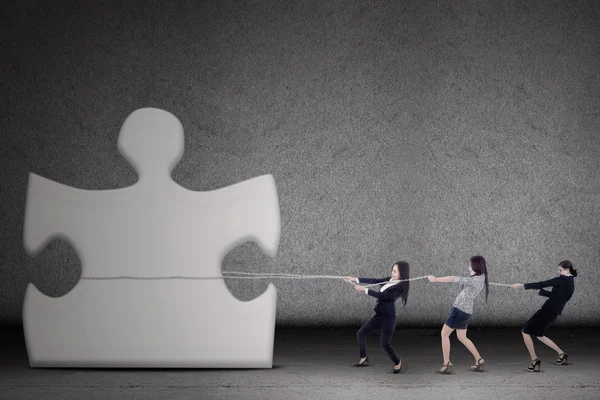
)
(424, 131)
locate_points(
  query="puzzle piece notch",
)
(55, 270)
(159, 225)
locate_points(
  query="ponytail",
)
(404, 270)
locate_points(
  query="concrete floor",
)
(311, 363)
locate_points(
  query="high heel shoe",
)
(535, 365)
(362, 364)
(397, 371)
(478, 366)
(562, 359)
(447, 368)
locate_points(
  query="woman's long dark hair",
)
(404, 270)
(567, 265)
(478, 266)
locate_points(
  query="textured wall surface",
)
(405, 130)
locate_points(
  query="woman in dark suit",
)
(563, 287)
(385, 311)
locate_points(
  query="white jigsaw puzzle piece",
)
(152, 228)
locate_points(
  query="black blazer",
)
(562, 290)
(386, 301)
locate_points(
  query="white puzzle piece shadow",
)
(154, 228)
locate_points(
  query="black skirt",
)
(458, 319)
(539, 323)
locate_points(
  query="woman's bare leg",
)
(529, 343)
(550, 344)
(462, 336)
(446, 332)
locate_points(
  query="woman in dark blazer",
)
(563, 287)
(385, 311)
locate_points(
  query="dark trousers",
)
(387, 324)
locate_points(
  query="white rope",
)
(257, 275)
(266, 276)
(329, 276)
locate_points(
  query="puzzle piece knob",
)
(152, 141)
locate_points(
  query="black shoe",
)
(535, 365)
(447, 368)
(362, 364)
(562, 359)
(478, 366)
(397, 371)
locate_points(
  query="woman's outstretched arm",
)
(445, 279)
(366, 280)
(539, 285)
(550, 282)
(390, 294)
